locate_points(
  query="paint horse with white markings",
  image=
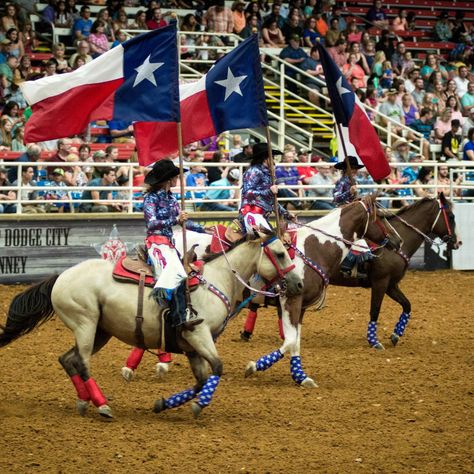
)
(321, 247)
(95, 307)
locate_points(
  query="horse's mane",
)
(411, 207)
(209, 257)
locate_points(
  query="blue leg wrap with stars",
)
(297, 371)
(266, 361)
(402, 324)
(372, 334)
(180, 398)
(207, 392)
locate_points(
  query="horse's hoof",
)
(250, 369)
(105, 411)
(127, 373)
(162, 368)
(82, 406)
(159, 406)
(308, 382)
(196, 408)
(379, 346)
(394, 338)
(245, 336)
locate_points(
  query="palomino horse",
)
(385, 272)
(96, 307)
(324, 243)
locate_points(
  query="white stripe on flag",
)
(107, 67)
(188, 89)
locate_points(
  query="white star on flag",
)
(342, 90)
(146, 72)
(231, 84)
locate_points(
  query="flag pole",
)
(346, 158)
(183, 200)
(271, 167)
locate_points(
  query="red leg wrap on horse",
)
(81, 389)
(97, 397)
(280, 328)
(250, 321)
(135, 358)
(164, 357)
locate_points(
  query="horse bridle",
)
(281, 272)
(443, 209)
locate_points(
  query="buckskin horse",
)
(384, 272)
(95, 307)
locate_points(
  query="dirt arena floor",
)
(405, 409)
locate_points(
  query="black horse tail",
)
(28, 310)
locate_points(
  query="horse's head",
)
(444, 226)
(275, 265)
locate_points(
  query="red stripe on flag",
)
(68, 113)
(196, 118)
(367, 143)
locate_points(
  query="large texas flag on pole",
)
(137, 80)
(229, 97)
(355, 133)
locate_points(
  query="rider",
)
(258, 192)
(345, 191)
(162, 212)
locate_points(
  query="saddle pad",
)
(128, 269)
(219, 233)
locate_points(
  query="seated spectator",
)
(252, 28)
(467, 100)
(468, 123)
(451, 142)
(11, 112)
(363, 178)
(338, 52)
(215, 173)
(333, 33)
(223, 195)
(408, 64)
(196, 177)
(312, 66)
(396, 177)
(289, 176)
(397, 58)
(29, 38)
(98, 157)
(412, 76)
(377, 16)
(400, 23)
(361, 60)
(62, 16)
(5, 135)
(294, 55)
(17, 48)
(353, 34)
(439, 94)
(401, 151)
(272, 35)
(425, 177)
(321, 25)
(83, 50)
(238, 15)
(452, 102)
(121, 20)
(139, 22)
(369, 53)
(27, 195)
(59, 51)
(292, 28)
(236, 146)
(10, 19)
(424, 126)
(443, 28)
(9, 70)
(107, 179)
(246, 154)
(82, 25)
(410, 110)
(393, 110)
(419, 92)
(6, 197)
(385, 44)
(386, 81)
(310, 34)
(31, 154)
(97, 39)
(104, 16)
(353, 72)
(442, 125)
(275, 15)
(319, 191)
(218, 18)
(445, 183)
(18, 139)
(121, 131)
(57, 194)
(462, 80)
(431, 65)
(336, 13)
(50, 68)
(377, 65)
(305, 172)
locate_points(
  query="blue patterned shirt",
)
(256, 190)
(342, 191)
(161, 211)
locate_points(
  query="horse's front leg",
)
(397, 295)
(379, 288)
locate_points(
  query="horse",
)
(325, 243)
(387, 269)
(95, 307)
(430, 216)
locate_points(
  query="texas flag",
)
(137, 80)
(355, 133)
(229, 97)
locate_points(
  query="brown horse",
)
(321, 247)
(389, 266)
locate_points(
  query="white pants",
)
(169, 271)
(253, 221)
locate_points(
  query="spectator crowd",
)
(417, 93)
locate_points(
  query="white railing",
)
(134, 194)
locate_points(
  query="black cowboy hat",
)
(260, 152)
(162, 171)
(353, 163)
